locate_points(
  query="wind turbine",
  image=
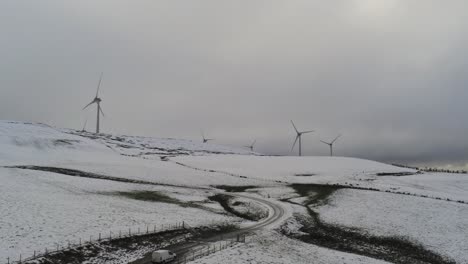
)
(331, 144)
(84, 127)
(251, 147)
(97, 101)
(206, 139)
(299, 137)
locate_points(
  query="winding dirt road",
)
(275, 215)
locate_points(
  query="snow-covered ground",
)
(270, 247)
(39, 209)
(439, 226)
(335, 170)
(293, 169)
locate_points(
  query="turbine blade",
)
(92, 102)
(297, 131)
(100, 110)
(336, 139)
(295, 141)
(306, 132)
(253, 144)
(99, 85)
(324, 142)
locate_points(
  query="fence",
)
(210, 249)
(100, 237)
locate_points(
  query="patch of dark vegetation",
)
(392, 190)
(213, 231)
(150, 196)
(231, 188)
(65, 142)
(393, 249)
(155, 196)
(305, 174)
(396, 173)
(225, 202)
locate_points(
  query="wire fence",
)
(210, 249)
(98, 238)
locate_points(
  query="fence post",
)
(20, 259)
(183, 224)
(8, 260)
(138, 230)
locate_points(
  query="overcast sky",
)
(390, 75)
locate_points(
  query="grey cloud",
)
(389, 75)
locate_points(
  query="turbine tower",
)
(205, 140)
(251, 147)
(299, 137)
(97, 101)
(331, 144)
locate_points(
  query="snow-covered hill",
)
(43, 208)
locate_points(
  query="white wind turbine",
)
(251, 147)
(205, 140)
(299, 137)
(331, 144)
(97, 101)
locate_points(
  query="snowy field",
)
(336, 170)
(293, 169)
(439, 226)
(269, 247)
(39, 209)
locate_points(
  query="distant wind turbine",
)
(331, 144)
(299, 137)
(97, 101)
(251, 147)
(205, 140)
(84, 127)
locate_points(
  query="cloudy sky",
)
(390, 75)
